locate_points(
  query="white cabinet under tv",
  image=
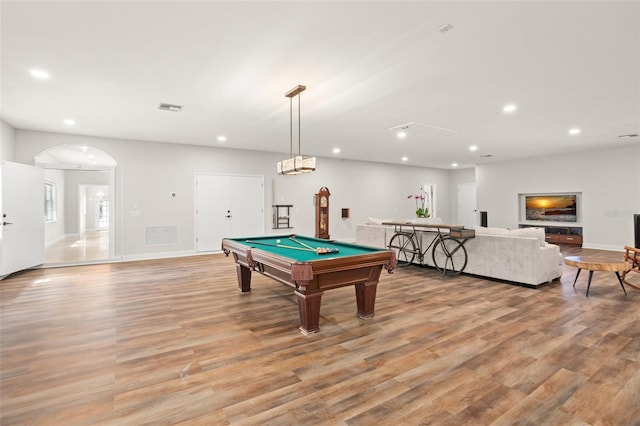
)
(559, 213)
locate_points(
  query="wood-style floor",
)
(173, 342)
(89, 246)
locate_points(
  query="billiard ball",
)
(277, 241)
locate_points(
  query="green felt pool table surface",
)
(298, 253)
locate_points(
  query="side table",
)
(594, 264)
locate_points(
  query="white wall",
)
(147, 173)
(609, 181)
(55, 230)
(7, 141)
(367, 189)
(7, 149)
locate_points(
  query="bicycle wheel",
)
(449, 256)
(404, 247)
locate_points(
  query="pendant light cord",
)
(299, 150)
(291, 127)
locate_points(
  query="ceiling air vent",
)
(445, 28)
(169, 107)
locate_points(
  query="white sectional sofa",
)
(519, 255)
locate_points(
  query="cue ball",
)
(277, 241)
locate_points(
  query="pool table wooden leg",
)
(244, 278)
(309, 310)
(366, 299)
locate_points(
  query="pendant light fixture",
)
(295, 164)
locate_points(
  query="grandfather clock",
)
(322, 213)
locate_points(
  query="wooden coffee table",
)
(594, 264)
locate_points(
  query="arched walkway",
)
(79, 204)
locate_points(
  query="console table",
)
(447, 248)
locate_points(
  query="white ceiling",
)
(367, 65)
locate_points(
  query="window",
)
(49, 201)
(430, 190)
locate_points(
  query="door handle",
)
(6, 223)
(228, 216)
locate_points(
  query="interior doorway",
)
(227, 206)
(467, 213)
(79, 218)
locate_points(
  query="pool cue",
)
(301, 243)
(279, 245)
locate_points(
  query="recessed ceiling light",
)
(473, 148)
(405, 159)
(574, 131)
(509, 108)
(222, 138)
(402, 134)
(454, 164)
(69, 122)
(40, 74)
(336, 150)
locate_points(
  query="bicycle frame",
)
(443, 246)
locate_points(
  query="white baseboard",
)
(160, 255)
(603, 247)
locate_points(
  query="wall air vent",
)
(169, 107)
(161, 235)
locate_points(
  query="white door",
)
(22, 206)
(467, 214)
(247, 206)
(227, 206)
(212, 218)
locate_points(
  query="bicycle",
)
(447, 252)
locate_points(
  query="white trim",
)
(159, 255)
(603, 247)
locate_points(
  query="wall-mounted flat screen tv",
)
(553, 208)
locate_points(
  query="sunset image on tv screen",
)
(557, 208)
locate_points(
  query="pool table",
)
(310, 273)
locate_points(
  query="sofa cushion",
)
(491, 231)
(376, 221)
(520, 232)
(530, 232)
